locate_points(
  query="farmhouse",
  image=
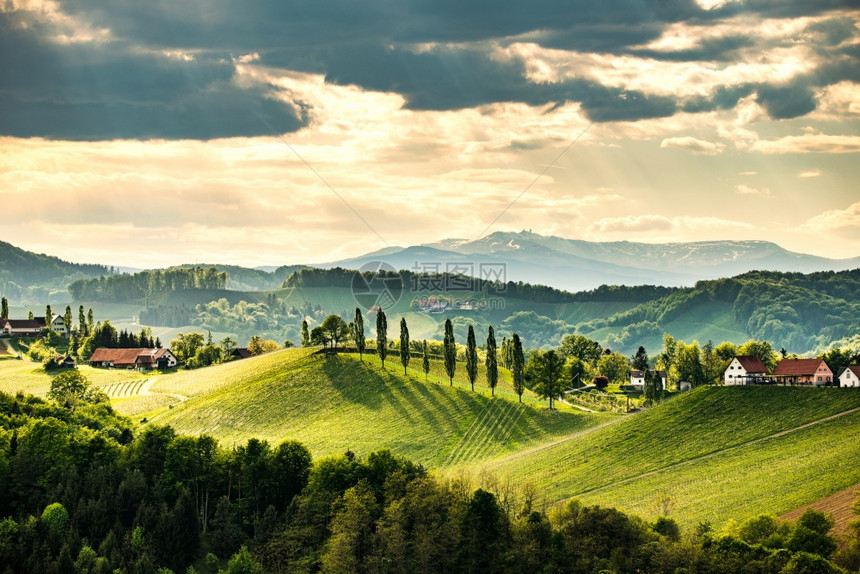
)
(803, 372)
(57, 324)
(849, 377)
(21, 327)
(745, 370)
(637, 379)
(140, 359)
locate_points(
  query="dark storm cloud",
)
(127, 89)
(89, 91)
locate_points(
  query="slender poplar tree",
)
(404, 344)
(306, 335)
(82, 322)
(450, 349)
(425, 364)
(492, 361)
(358, 332)
(471, 357)
(518, 366)
(49, 314)
(4, 308)
(381, 336)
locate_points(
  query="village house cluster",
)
(751, 371)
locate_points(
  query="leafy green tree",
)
(358, 333)
(4, 308)
(228, 345)
(639, 361)
(55, 517)
(518, 366)
(546, 369)
(306, 335)
(689, 364)
(72, 388)
(615, 367)
(185, 345)
(351, 531)
(404, 344)
(49, 315)
(582, 348)
(425, 362)
(336, 329)
(492, 361)
(450, 350)
(258, 345)
(471, 357)
(381, 336)
(666, 358)
(713, 366)
(653, 387)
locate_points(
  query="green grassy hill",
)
(718, 453)
(340, 403)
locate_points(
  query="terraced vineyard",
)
(125, 389)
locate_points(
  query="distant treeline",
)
(128, 287)
(416, 282)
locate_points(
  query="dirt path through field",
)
(838, 505)
(718, 452)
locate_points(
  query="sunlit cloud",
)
(742, 189)
(694, 145)
(810, 173)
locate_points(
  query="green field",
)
(719, 453)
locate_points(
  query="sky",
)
(264, 132)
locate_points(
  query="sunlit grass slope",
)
(719, 453)
(340, 403)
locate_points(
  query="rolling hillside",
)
(717, 453)
(339, 403)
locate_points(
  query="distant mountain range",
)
(577, 265)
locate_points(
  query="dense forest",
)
(86, 490)
(418, 282)
(137, 286)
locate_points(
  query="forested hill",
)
(339, 277)
(20, 269)
(799, 312)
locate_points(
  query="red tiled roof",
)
(752, 364)
(121, 356)
(793, 367)
(23, 324)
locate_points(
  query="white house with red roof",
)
(849, 376)
(744, 370)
